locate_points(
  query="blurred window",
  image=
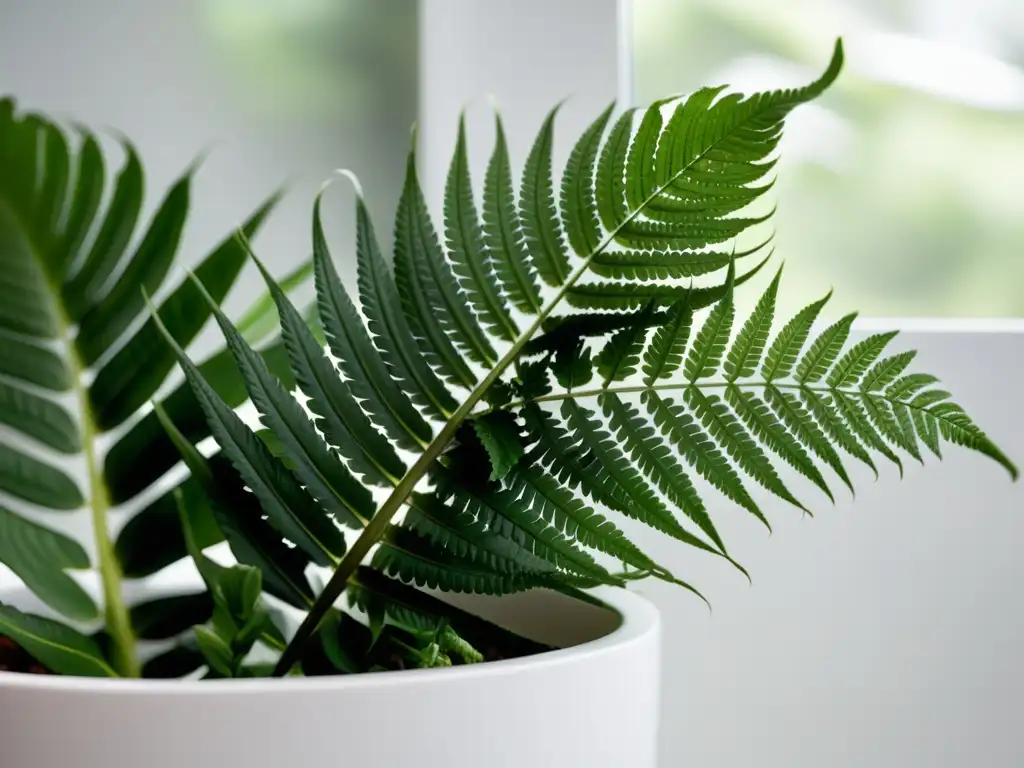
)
(903, 186)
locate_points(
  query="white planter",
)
(591, 705)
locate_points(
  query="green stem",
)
(118, 624)
(639, 388)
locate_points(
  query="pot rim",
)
(638, 620)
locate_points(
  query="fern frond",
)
(723, 425)
(760, 420)
(436, 308)
(621, 355)
(579, 196)
(471, 261)
(823, 351)
(75, 262)
(745, 352)
(655, 458)
(643, 200)
(785, 349)
(386, 323)
(665, 353)
(348, 339)
(338, 415)
(502, 230)
(685, 433)
(501, 511)
(855, 362)
(709, 345)
(542, 228)
(326, 478)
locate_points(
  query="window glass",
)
(903, 186)
(271, 93)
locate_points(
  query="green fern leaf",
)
(36, 481)
(731, 435)
(640, 163)
(713, 337)
(39, 418)
(746, 350)
(766, 426)
(883, 419)
(564, 331)
(620, 296)
(144, 453)
(927, 429)
(325, 477)
(657, 265)
(26, 362)
(579, 195)
(252, 540)
(783, 352)
(532, 381)
(387, 326)
(833, 424)
(665, 353)
(798, 420)
(611, 183)
(956, 427)
(542, 230)
(573, 367)
(502, 230)
(339, 416)
(468, 538)
(499, 433)
(428, 289)
(886, 371)
(855, 362)
(699, 231)
(134, 374)
(112, 238)
(110, 316)
(656, 460)
(907, 386)
(559, 508)
(384, 401)
(471, 261)
(685, 433)
(406, 555)
(62, 649)
(824, 350)
(425, 312)
(860, 425)
(289, 507)
(571, 460)
(664, 265)
(41, 558)
(621, 355)
(503, 512)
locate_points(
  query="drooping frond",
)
(80, 360)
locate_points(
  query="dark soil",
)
(14, 658)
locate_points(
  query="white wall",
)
(884, 632)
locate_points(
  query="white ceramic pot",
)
(593, 704)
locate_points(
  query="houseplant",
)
(437, 454)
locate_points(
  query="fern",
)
(79, 362)
(516, 472)
(645, 198)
